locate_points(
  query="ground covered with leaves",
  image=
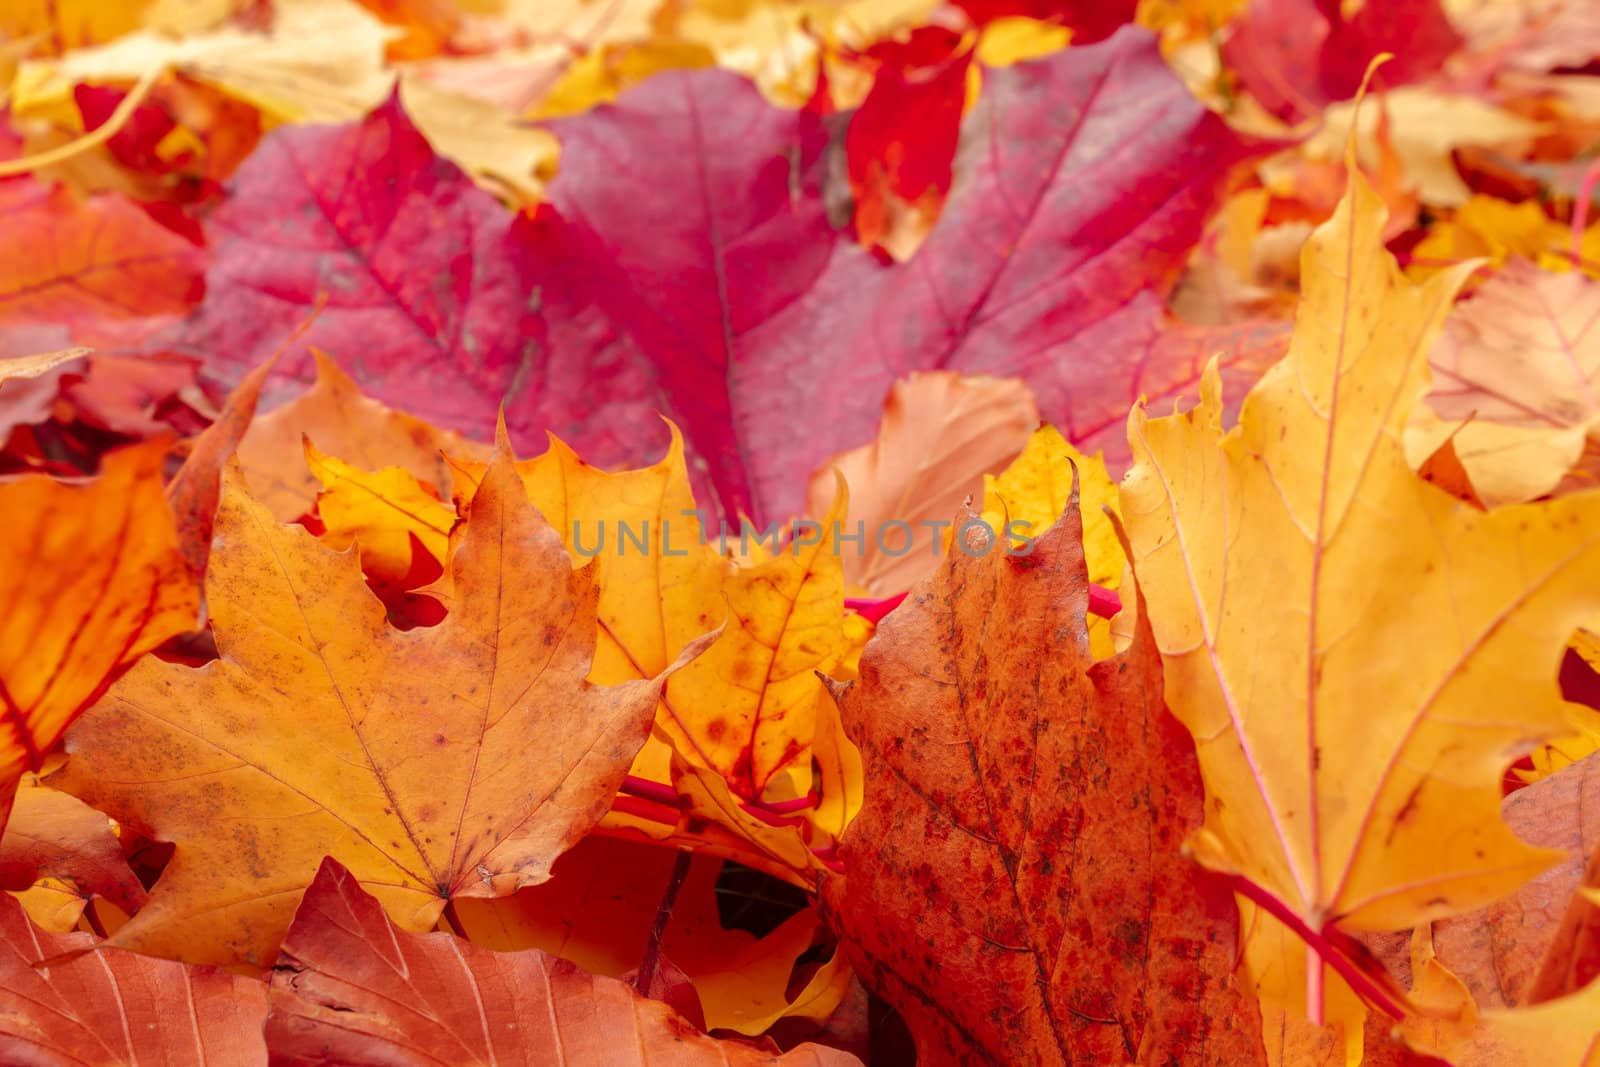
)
(820, 532)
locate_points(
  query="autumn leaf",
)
(1516, 370)
(598, 910)
(342, 422)
(97, 582)
(108, 261)
(249, 764)
(195, 490)
(316, 61)
(1027, 497)
(648, 324)
(57, 854)
(351, 987)
(1013, 884)
(385, 512)
(110, 1006)
(1498, 952)
(1353, 718)
(1295, 56)
(740, 285)
(902, 138)
(940, 436)
(1088, 20)
(30, 384)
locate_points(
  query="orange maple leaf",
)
(458, 760)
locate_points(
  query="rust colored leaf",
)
(196, 488)
(110, 1007)
(1014, 884)
(107, 260)
(57, 854)
(598, 908)
(1497, 951)
(352, 988)
(1573, 958)
(460, 759)
(94, 580)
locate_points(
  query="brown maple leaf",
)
(1014, 884)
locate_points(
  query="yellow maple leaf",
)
(1358, 654)
(1029, 496)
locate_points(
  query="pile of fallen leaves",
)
(650, 531)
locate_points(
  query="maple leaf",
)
(1013, 883)
(29, 385)
(363, 433)
(1089, 20)
(358, 215)
(385, 511)
(902, 138)
(250, 764)
(1515, 374)
(133, 395)
(1357, 653)
(114, 1007)
(57, 854)
(1424, 126)
(97, 583)
(940, 435)
(580, 326)
(315, 61)
(601, 903)
(748, 712)
(352, 988)
(751, 715)
(1295, 56)
(194, 491)
(108, 261)
(1499, 952)
(1030, 270)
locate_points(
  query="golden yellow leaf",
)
(748, 715)
(490, 143)
(1006, 42)
(601, 75)
(360, 431)
(1425, 125)
(380, 510)
(1029, 496)
(320, 61)
(1358, 654)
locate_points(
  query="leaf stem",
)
(95, 137)
(1322, 950)
(454, 920)
(92, 917)
(652, 947)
